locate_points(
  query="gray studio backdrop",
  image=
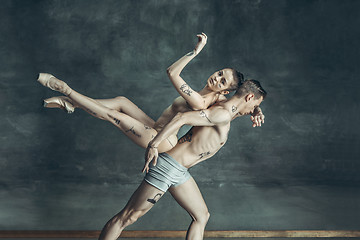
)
(72, 171)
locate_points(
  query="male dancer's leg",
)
(189, 197)
(140, 203)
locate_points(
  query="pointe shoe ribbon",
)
(60, 102)
(48, 80)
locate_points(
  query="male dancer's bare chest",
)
(199, 144)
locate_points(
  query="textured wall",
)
(298, 171)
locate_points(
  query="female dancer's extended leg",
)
(139, 132)
(120, 103)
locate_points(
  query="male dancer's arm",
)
(193, 98)
(215, 115)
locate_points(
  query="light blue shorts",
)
(167, 172)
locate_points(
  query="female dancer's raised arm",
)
(193, 98)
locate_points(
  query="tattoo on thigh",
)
(204, 154)
(190, 53)
(89, 111)
(155, 199)
(117, 121)
(186, 89)
(203, 114)
(186, 138)
(133, 131)
(233, 109)
(147, 127)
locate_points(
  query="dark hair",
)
(239, 77)
(251, 86)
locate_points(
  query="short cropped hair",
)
(239, 77)
(251, 86)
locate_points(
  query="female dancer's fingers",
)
(155, 159)
(146, 167)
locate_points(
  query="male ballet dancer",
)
(169, 170)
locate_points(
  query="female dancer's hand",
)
(202, 39)
(257, 117)
(151, 154)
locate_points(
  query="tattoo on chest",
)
(186, 138)
(204, 154)
(186, 89)
(233, 109)
(203, 114)
(133, 132)
(155, 199)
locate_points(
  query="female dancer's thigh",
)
(138, 132)
(124, 105)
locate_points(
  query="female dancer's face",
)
(221, 80)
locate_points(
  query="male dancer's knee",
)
(202, 218)
(125, 218)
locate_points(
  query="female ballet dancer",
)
(131, 120)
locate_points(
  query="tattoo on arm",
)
(203, 114)
(190, 53)
(154, 200)
(133, 132)
(186, 138)
(147, 127)
(204, 154)
(233, 109)
(185, 89)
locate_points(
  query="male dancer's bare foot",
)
(53, 83)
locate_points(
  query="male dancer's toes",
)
(53, 83)
(62, 102)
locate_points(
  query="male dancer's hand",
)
(202, 39)
(151, 154)
(257, 117)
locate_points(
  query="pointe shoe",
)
(48, 80)
(60, 102)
